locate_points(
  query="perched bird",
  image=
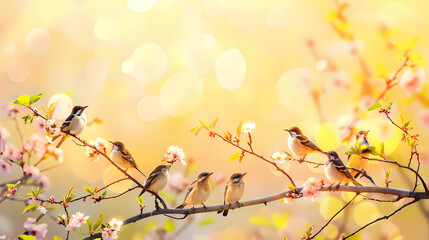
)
(299, 144)
(74, 124)
(357, 161)
(157, 179)
(198, 192)
(233, 191)
(121, 156)
(336, 171)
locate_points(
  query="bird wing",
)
(191, 187)
(226, 190)
(155, 173)
(127, 156)
(305, 141)
(67, 121)
(341, 167)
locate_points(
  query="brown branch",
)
(190, 211)
(258, 156)
(382, 218)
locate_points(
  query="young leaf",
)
(88, 189)
(30, 206)
(149, 226)
(206, 221)
(234, 157)
(239, 129)
(260, 221)
(99, 220)
(89, 224)
(22, 100)
(381, 70)
(26, 237)
(375, 106)
(214, 122)
(205, 122)
(35, 98)
(51, 109)
(57, 238)
(280, 220)
(417, 59)
(410, 44)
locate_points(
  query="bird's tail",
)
(144, 190)
(181, 206)
(356, 183)
(139, 171)
(62, 140)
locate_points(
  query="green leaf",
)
(99, 220)
(149, 226)
(280, 220)
(418, 59)
(167, 196)
(22, 100)
(350, 153)
(26, 237)
(89, 224)
(206, 221)
(260, 221)
(35, 98)
(375, 106)
(169, 225)
(88, 189)
(29, 207)
(57, 238)
(389, 105)
(234, 157)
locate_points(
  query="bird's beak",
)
(169, 167)
(211, 173)
(287, 130)
(365, 134)
(242, 175)
(85, 106)
(327, 154)
(112, 142)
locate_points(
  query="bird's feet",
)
(338, 186)
(204, 206)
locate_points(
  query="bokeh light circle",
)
(291, 86)
(230, 69)
(329, 206)
(327, 136)
(365, 212)
(201, 52)
(330, 231)
(64, 106)
(18, 71)
(149, 108)
(106, 29)
(96, 70)
(111, 174)
(181, 93)
(38, 40)
(127, 66)
(150, 63)
(140, 5)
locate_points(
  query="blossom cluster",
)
(175, 153)
(7, 151)
(100, 144)
(248, 127)
(76, 221)
(46, 127)
(279, 158)
(311, 188)
(37, 230)
(111, 231)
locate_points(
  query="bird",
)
(157, 179)
(336, 171)
(359, 161)
(121, 156)
(234, 190)
(73, 125)
(198, 192)
(299, 144)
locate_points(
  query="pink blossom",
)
(115, 224)
(109, 234)
(177, 182)
(44, 182)
(4, 134)
(174, 153)
(32, 172)
(50, 123)
(13, 153)
(34, 229)
(412, 80)
(42, 209)
(56, 153)
(4, 150)
(39, 124)
(5, 168)
(10, 110)
(76, 221)
(37, 144)
(311, 188)
(91, 153)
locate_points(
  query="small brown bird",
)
(121, 156)
(199, 191)
(359, 161)
(336, 171)
(299, 144)
(74, 124)
(157, 179)
(234, 190)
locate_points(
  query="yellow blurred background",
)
(149, 69)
